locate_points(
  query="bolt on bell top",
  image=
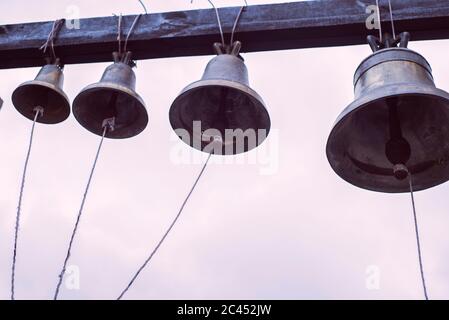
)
(397, 125)
(45, 91)
(113, 97)
(221, 107)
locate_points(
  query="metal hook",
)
(220, 25)
(391, 19)
(123, 55)
(389, 42)
(237, 21)
(119, 33)
(130, 31)
(143, 5)
(218, 20)
(380, 21)
(233, 49)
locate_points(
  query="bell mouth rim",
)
(65, 109)
(364, 66)
(117, 88)
(390, 190)
(220, 83)
(362, 103)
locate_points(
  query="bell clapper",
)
(400, 171)
(218, 140)
(109, 124)
(221, 119)
(397, 149)
(39, 110)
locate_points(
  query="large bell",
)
(397, 125)
(44, 91)
(224, 106)
(113, 97)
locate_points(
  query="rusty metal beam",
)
(189, 33)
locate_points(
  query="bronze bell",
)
(222, 102)
(44, 91)
(397, 125)
(113, 97)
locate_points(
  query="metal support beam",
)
(189, 33)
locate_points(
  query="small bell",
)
(223, 105)
(113, 97)
(397, 125)
(45, 91)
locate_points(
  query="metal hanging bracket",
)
(388, 41)
(56, 61)
(125, 58)
(233, 49)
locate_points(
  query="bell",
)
(221, 107)
(114, 97)
(397, 125)
(46, 92)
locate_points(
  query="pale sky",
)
(284, 226)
